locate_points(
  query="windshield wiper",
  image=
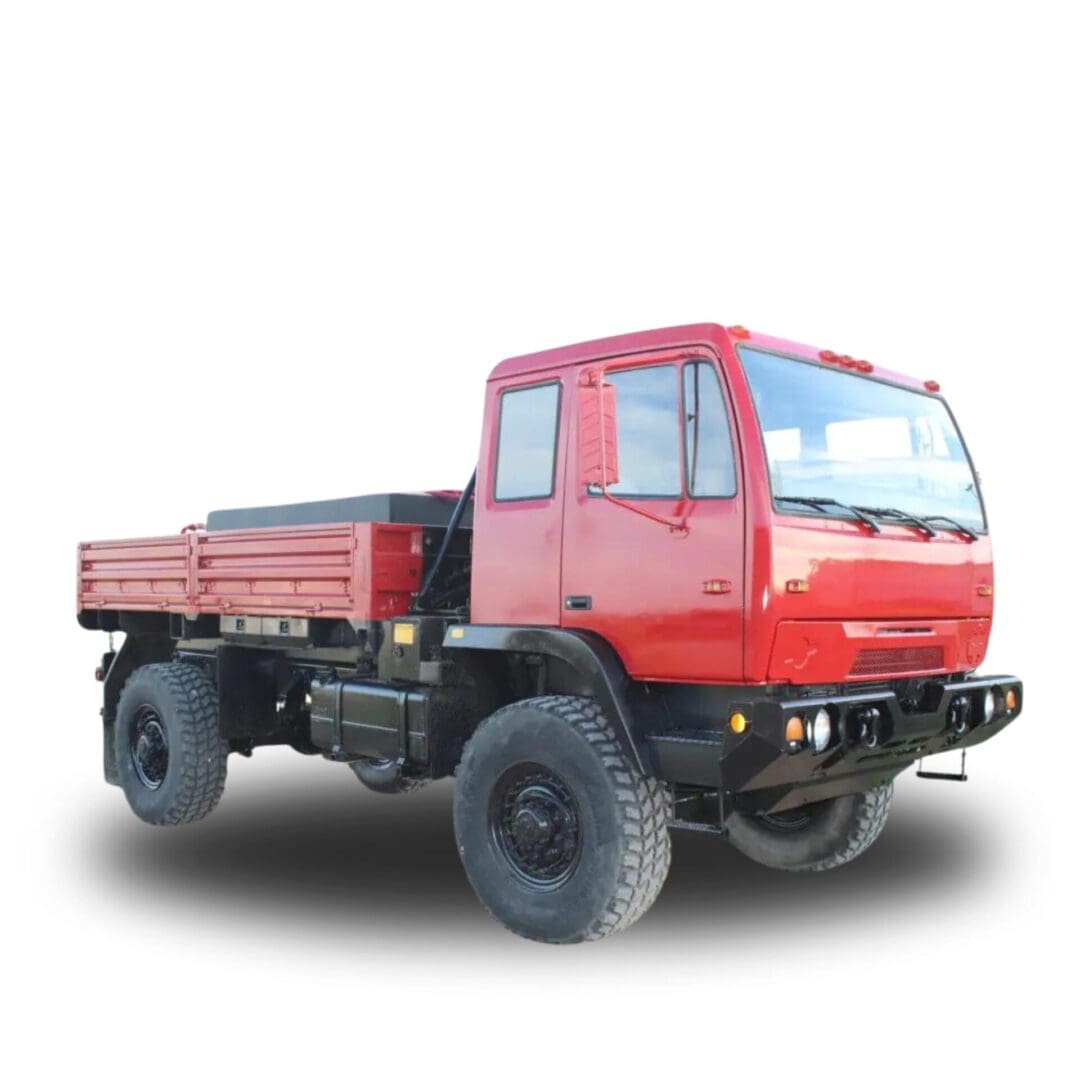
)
(949, 523)
(820, 504)
(902, 516)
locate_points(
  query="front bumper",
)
(874, 736)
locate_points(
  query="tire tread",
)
(203, 752)
(643, 806)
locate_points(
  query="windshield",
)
(832, 435)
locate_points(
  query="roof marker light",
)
(827, 356)
(932, 385)
(864, 366)
(738, 331)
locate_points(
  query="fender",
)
(595, 662)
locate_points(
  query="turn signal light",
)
(1010, 700)
(795, 733)
(738, 723)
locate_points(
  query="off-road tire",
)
(835, 832)
(623, 849)
(384, 775)
(185, 700)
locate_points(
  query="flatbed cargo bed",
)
(361, 570)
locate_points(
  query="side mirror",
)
(598, 454)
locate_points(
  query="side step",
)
(961, 775)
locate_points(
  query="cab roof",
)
(694, 334)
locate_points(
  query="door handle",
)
(578, 603)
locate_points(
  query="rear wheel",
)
(170, 756)
(818, 836)
(561, 837)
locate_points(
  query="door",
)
(653, 562)
(517, 527)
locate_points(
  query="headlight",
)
(820, 730)
(989, 706)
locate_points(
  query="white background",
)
(269, 252)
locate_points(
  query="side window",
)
(647, 430)
(710, 462)
(528, 431)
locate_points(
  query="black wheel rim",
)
(149, 747)
(536, 825)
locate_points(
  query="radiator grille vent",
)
(893, 661)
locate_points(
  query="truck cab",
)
(701, 578)
(769, 514)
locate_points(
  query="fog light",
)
(989, 706)
(795, 733)
(1010, 699)
(737, 722)
(820, 730)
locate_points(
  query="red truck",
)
(701, 578)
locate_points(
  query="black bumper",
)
(873, 738)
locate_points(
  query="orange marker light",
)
(1010, 700)
(716, 585)
(738, 723)
(984, 590)
(798, 585)
(795, 731)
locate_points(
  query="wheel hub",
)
(536, 824)
(149, 748)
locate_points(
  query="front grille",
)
(893, 661)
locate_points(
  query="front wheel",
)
(560, 835)
(818, 836)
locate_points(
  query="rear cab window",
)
(528, 435)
